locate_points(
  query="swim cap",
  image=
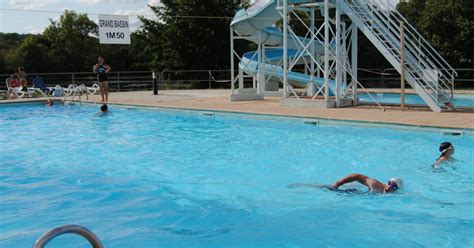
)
(398, 181)
(444, 146)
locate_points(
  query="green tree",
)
(447, 25)
(32, 53)
(8, 43)
(72, 42)
(191, 34)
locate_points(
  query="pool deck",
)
(217, 100)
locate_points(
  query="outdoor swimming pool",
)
(156, 178)
(460, 100)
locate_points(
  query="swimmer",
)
(447, 150)
(104, 108)
(49, 102)
(372, 184)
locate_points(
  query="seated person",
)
(447, 150)
(23, 77)
(14, 82)
(372, 184)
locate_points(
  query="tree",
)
(9, 42)
(33, 54)
(72, 44)
(447, 25)
(191, 34)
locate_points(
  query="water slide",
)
(260, 17)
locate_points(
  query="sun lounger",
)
(17, 90)
(40, 86)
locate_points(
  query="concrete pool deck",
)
(218, 100)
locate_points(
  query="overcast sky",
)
(32, 16)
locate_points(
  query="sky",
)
(32, 16)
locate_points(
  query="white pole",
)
(312, 88)
(262, 67)
(354, 60)
(402, 65)
(345, 57)
(326, 50)
(232, 87)
(285, 48)
(259, 61)
(338, 57)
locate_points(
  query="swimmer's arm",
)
(351, 178)
(309, 185)
(438, 162)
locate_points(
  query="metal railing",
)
(75, 229)
(217, 79)
(383, 22)
(118, 81)
(194, 79)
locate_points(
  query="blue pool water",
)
(460, 100)
(156, 178)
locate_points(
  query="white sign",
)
(114, 29)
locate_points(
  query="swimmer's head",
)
(394, 184)
(104, 108)
(446, 146)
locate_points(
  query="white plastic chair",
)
(18, 90)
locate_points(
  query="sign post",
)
(402, 66)
(114, 29)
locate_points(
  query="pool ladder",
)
(76, 229)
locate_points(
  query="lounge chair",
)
(18, 90)
(40, 86)
(81, 89)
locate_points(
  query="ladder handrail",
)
(76, 229)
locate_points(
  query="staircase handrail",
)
(410, 27)
(429, 62)
(424, 62)
(418, 51)
(408, 58)
(410, 55)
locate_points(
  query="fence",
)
(118, 81)
(214, 79)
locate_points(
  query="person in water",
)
(372, 184)
(104, 108)
(447, 151)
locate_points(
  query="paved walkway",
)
(218, 100)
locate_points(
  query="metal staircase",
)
(425, 70)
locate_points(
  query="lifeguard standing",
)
(102, 69)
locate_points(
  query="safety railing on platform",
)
(425, 68)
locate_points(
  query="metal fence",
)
(213, 79)
(118, 81)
